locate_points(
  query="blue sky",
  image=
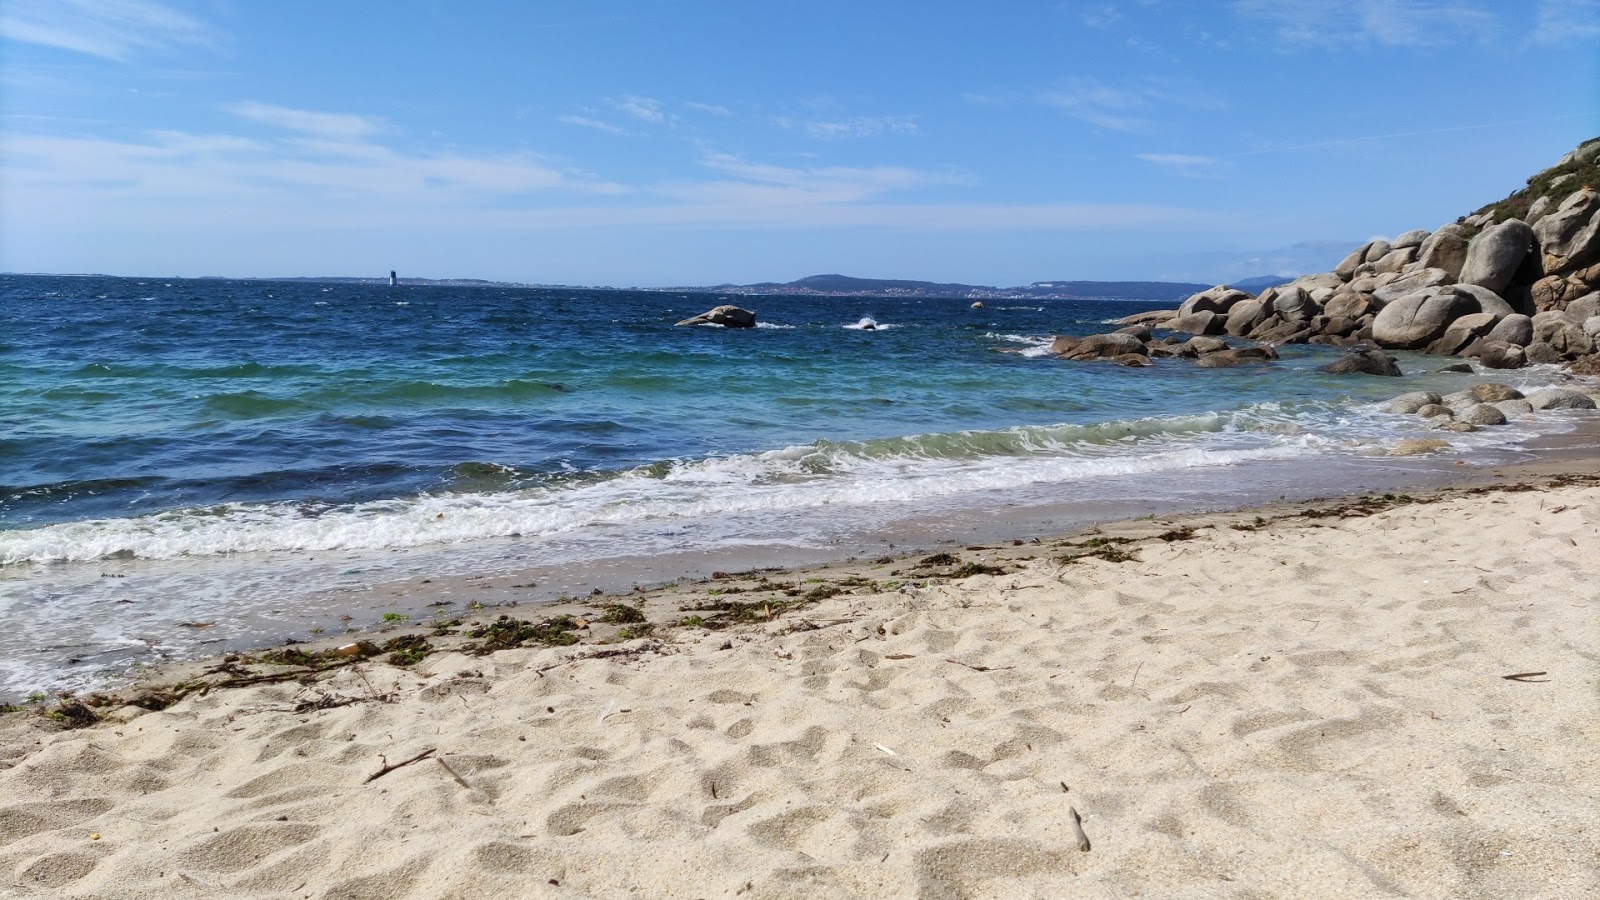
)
(659, 143)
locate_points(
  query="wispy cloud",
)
(116, 30)
(319, 124)
(861, 127)
(1111, 108)
(1399, 23)
(1566, 21)
(645, 109)
(1182, 163)
(714, 109)
(586, 122)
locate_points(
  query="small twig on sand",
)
(980, 668)
(1527, 677)
(1077, 828)
(388, 768)
(1135, 682)
(454, 774)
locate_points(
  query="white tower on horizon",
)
(392, 279)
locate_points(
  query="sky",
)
(675, 142)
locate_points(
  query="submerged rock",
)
(1364, 362)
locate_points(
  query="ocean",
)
(193, 465)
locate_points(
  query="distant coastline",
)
(814, 285)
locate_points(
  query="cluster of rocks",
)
(1505, 289)
(1485, 404)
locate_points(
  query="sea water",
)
(255, 454)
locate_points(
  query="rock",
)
(1098, 346)
(1419, 317)
(1493, 392)
(1282, 333)
(1346, 269)
(1513, 329)
(1410, 403)
(1446, 250)
(1500, 355)
(1464, 368)
(1569, 238)
(1560, 398)
(1410, 283)
(1412, 238)
(1376, 250)
(1311, 283)
(1587, 365)
(1395, 260)
(1539, 353)
(1510, 408)
(1219, 299)
(1244, 316)
(1537, 209)
(1199, 323)
(727, 316)
(1132, 359)
(1591, 328)
(1154, 318)
(977, 304)
(1462, 331)
(1294, 304)
(1340, 326)
(1418, 446)
(1350, 305)
(1584, 308)
(1236, 356)
(1139, 332)
(1481, 414)
(1364, 362)
(1555, 292)
(1459, 400)
(1452, 425)
(1496, 254)
(1562, 333)
(1488, 301)
(1202, 344)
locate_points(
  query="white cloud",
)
(861, 127)
(1114, 109)
(321, 124)
(110, 29)
(1564, 21)
(645, 109)
(1399, 23)
(714, 109)
(586, 122)
(1182, 163)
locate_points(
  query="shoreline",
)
(1303, 698)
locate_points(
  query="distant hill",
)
(1260, 283)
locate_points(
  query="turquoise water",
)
(203, 437)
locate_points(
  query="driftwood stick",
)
(387, 768)
(1077, 829)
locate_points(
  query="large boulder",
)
(1569, 238)
(1419, 317)
(1412, 238)
(1236, 356)
(1496, 254)
(1154, 318)
(1560, 398)
(1294, 304)
(1584, 307)
(1098, 346)
(1199, 323)
(1493, 392)
(1481, 414)
(1395, 260)
(727, 316)
(1562, 332)
(1245, 315)
(1488, 301)
(1313, 283)
(1219, 299)
(1349, 305)
(1540, 353)
(1513, 329)
(1410, 281)
(1410, 403)
(1500, 355)
(1445, 249)
(1346, 269)
(1364, 362)
(1462, 332)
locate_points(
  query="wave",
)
(868, 323)
(487, 500)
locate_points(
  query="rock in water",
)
(726, 315)
(1364, 362)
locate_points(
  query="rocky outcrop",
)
(1364, 362)
(1514, 283)
(727, 316)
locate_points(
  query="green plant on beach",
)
(620, 614)
(630, 632)
(396, 617)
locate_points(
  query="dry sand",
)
(1316, 707)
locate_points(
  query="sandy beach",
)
(1311, 701)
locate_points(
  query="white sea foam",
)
(778, 327)
(868, 323)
